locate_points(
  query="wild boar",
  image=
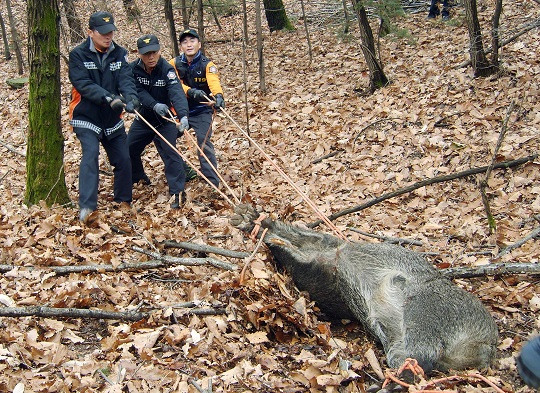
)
(395, 293)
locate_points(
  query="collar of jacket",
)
(92, 47)
(140, 65)
(197, 57)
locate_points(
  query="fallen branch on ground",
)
(389, 239)
(491, 269)
(427, 182)
(186, 261)
(69, 312)
(52, 312)
(59, 270)
(206, 249)
(12, 149)
(533, 235)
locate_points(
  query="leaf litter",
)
(433, 119)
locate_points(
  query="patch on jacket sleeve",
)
(171, 74)
(213, 69)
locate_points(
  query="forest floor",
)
(261, 334)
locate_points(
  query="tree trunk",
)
(276, 16)
(45, 151)
(480, 64)
(76, 31)
(169, 17)
(185, 15)
(307, 31)
(346, 16)
(260, 45)
(200, 23)
(15, 39)
(245, 22)
(495, 34)
(7, 53)
(377, 78)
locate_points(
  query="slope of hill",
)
(342, 148)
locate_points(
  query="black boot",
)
(179, 200)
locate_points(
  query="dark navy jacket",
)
(161, 86)
(95, 76)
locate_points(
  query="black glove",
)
(161, 109)
(220, 102)
(115, 102)
(132, 104)
(197, 95)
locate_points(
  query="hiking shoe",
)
(446, 17)
(144, 179)
(190, 173)
(84, 214)
(179, 200)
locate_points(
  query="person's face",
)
(190, 46)
(101, 41)
(150, 59)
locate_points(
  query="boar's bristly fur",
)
(395, 293)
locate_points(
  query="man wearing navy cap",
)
(200, 79)
(161, 96)
(103, 86)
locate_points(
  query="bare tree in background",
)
(377, 78)
(7, 53)
(260, 45)
(45, 179)
(132, 11)
(169, 17)
(245, 22)
(307, 31)
(200, 23)
(76, 31)
(185, 15)
(15, 39)
(479, 61)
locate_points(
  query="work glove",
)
(182, 126)
(220, 102)
(197, 95)
(161, 109)
(116, 102)
(133, 104)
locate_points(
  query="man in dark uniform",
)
(160, 91)
(528, 363)
(103, 85)
(199, 76)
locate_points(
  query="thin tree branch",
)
(526, 29)
(483, 183)
(206, 249)
(439, 179)
(389, 239)
(533, 235)
(48, 312)
(492, 269)
(186, 261)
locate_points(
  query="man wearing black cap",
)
(103, 86)
(200, 79)
(161, 95)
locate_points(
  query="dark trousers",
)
(117, 151)
(141, 135)
(434, 9)
(202, 125)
